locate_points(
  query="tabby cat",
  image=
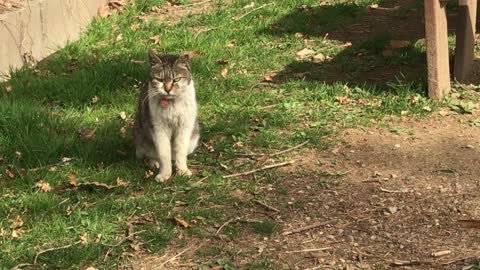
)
(166, 126)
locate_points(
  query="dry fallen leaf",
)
(182, 222)
(17, 233)
(84, 238)
(123, 115)
(117, 4)
(95, 99)
(155, 39)
(209, 146)
(98, 237)
(224, 73)
(121, 182)
(122, 132)
(222, 61)
(148, 174)
(238, 145)
(91, 268)
(193, 54)
(119, 37)
(135, 26)
(104, 11)
(343, 100)
(231, 44)
(8, 89)
(73, 179)
(304, 53)
(16, 223)
(398, 44)
(87, 133)
(318, 58)
(251, 5)
(9, 173)
(43, 186)
(239, 195)
(374, 6)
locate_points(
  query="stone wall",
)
(40, 28)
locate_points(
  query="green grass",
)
(91, 81)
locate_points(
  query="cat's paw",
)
(152, 163)
(184, 172)
(162, 177)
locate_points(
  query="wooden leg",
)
(437, 48)
(465, 34)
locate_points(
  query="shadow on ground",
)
(381, 44)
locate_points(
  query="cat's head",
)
(169, 74)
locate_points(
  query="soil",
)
(381, 198)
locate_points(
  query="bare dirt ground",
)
(404, 198)
(377, 200)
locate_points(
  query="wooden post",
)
(437, 48)
(465, 35)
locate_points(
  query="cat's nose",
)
(168, 86)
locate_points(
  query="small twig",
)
(225, 224)
(276, 153)
(267, 206)
(407, 263)
(204, 30)
(260, 169)
(253, 10)
(441, 253)
(463, 259)
(130, 236)
(195, 4)
(19, 267)
(52, 249)
(176, 256)
(308, 250)
(393, 191)
(306, 228)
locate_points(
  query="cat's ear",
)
(184, 58)
(153, 57)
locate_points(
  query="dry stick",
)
(393, 191)
(18, 267)
(225, 224)
(279, 152)
(309, 227)
(260, 169)
(52, 249)
(253, 10)
(120, 242)
(196, 4)
(308, 250)
(441, 253)
(267, 206)
(176, 256)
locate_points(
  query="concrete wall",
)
(40, 28)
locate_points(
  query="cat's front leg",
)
(163, 147)
(182, 143)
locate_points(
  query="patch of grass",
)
(87, 84)
(265, 227)
(262, 263)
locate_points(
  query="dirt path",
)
(378, 199)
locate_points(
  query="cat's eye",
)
(157, 80)
(177, 79)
